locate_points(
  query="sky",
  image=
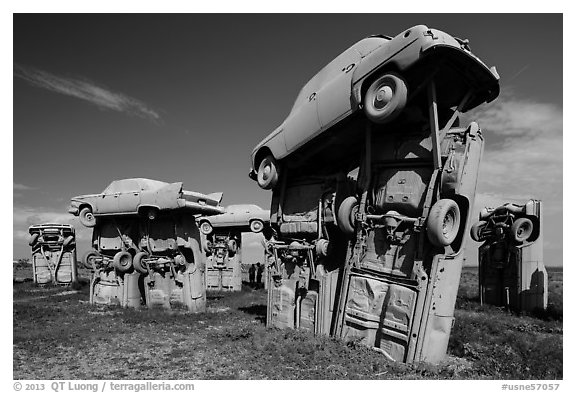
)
(186, 97)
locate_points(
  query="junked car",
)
(382, 76)
(53, 253)
(141, 196)
(406, 218)
(511, 266)
(252, 216)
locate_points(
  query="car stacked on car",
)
(146, 227)
(223, 243)
(372, 181)
(386, 109)
(511, 260)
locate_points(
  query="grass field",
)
(58, 335)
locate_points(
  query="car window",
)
(125, 185)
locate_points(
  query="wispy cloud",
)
(522, 160)
(527, 158)
(22, 187)
(87, 91)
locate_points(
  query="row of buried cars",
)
(153, 243)
(373, 180)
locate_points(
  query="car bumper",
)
(73, 209)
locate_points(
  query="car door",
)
(302, 124)
(334, 95)
(129, 197)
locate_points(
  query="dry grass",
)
(58, 335)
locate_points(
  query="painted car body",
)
(238, 215)
(130, 196)
(335, 92)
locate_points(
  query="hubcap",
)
(383, 97)
(447, 225)
(266, 172)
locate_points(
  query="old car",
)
(251, 216)
(382, 76)
(511, 258)
(142, 196)
(394, 288)
(53, 253)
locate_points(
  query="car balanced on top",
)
(380, 75)
(416, 182)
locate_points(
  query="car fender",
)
(163, 198)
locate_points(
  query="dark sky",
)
(186, 97)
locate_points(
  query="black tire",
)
(206, 228)
(385, 98)
(443, 222)
(151, 213)
(87, 217)
(476, 230)
(256, 226)
(33, 239)
(68, 241)
(139, 265)
(346, 215)
(321, 248)
(89, 259)
(521, 229)
(268, 173)
(122, 261)
(232, 247)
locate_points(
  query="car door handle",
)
(312, 97)
(348, 67)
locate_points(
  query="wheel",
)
(180, 260)
(322, 247)
(268, 173)
(443, 222)
(385, 98)
(68, 241)
(256, 226)
(521, 229)
(347, 215)
(476, 230)
(33, 239)
(232, 247)
(206, 228)
(87, 217)
(122, 261)
(151, 213)
(89, 259)
(139, 265)
(207, 246)
(484, 213)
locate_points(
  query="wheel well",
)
(389, 67)
(142, 209)
(82, 206)
(260, 154)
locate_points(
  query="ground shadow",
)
(256, 309)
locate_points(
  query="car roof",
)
(134, 184)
